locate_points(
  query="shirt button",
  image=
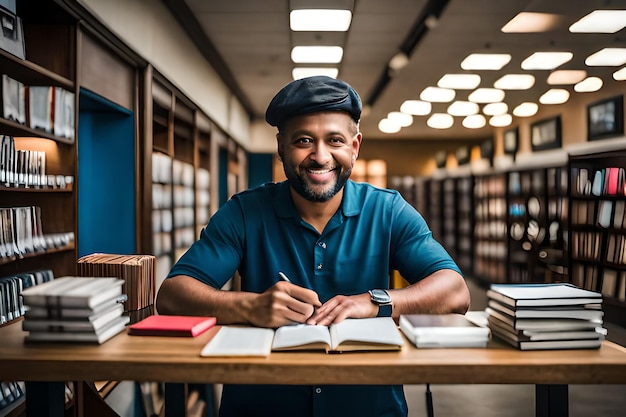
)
(318, 390)
(322, 245)
(319, 266)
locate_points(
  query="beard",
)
(308, 191)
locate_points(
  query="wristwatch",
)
(382, 299)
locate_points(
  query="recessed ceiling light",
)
(316, 54)
(526, 22)
(486, 95)
(437, 95)
(495, 109)
(388, 126)
(620, 75)
(501, 120)
(546, 60)
(459, 81)
(402, 119)
(462, 108)
(303, 72)
(320, 20)
(600, 21)
(440, 121)
(588, 85)
(416, 107)
(515, 82)
(485, 61)
(474, 121)
(554, 96)
(526, 109)
(609, 57)
(566, 77)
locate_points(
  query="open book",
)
(378, 333)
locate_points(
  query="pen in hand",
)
(283, 277)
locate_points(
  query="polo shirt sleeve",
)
(414, 251)
(216, 255)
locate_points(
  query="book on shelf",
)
(377, 333)
(532, 295)
(69, 291)
(443, 331)
(92, 323)
(100, 336)
(162, 325)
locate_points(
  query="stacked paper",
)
(74, 309)
(546, 316)
(443, 331)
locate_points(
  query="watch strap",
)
(384, 310)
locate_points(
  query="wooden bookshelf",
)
(598, 227)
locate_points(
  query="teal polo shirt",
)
(259, 233)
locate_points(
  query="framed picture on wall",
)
(546, 134)
(511, 141)
(605, 118)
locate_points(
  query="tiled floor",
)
(516, 400)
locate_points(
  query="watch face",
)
(380, 296)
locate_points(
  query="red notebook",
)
(157, 325)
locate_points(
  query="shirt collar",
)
(350, 205)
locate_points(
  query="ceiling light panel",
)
(528, 22)
(459, 81)
(486, 95)
(588, 85)
(526, 109)
(620, 75)
(515, 82)
(416, 107)
(485, 61)
(566, 77)
(462, 108)
(600, 21)
(440, 121)
(388, 126)
(501, 120)
(320, 20)
(474, 121)
(607, 57)
(303, 72)
(546, 60)
(316, 54)
(437, 95)
(402, 119)
(495, 109)
(554, 96)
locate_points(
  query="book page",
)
(301, 336)
(240, 341)
(366, 334)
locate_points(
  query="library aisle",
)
(515, 400)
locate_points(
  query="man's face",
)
(318, 151)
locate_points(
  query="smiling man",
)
(338, 242)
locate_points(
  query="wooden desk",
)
(177, 360)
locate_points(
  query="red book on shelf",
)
(157, 325)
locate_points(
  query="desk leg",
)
(551, 401)
(175, 399)
(45, 399)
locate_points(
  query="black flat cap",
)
(310, 95)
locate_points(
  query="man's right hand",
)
(282, 304)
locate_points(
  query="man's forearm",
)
(184, 295)
(444, 291)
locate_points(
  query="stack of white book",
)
(546, 316)
(444, 331)
(74, 309)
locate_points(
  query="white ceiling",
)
(253, 42)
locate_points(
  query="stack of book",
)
(137, 272)
(74, 309)
(546, 316)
